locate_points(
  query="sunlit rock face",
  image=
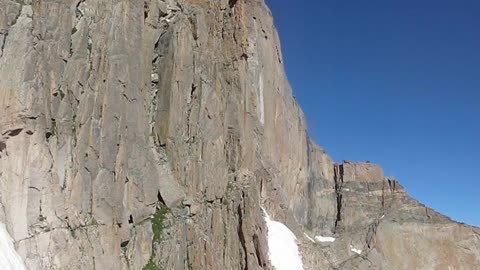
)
(149, 134)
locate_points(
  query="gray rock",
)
(98, 164)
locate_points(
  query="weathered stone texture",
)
(112, 111)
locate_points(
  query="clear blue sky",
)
(396, 83)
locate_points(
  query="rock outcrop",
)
(149, 134)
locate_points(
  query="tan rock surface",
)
(150, 132)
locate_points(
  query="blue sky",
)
(396, 83)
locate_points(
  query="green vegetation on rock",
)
(158, 223)
(151, 265)
(158, 226)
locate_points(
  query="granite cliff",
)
(150, 134)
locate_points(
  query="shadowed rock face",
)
(149, 133)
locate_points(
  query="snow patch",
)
(324, 238)
(356, 250)
(309, 238)
(261, 106)
(9, 259)
(282, 246)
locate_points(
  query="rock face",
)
(149, 134)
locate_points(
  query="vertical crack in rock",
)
(4, 40)
(241, 236)
(371, 233)
(383, 196)
(3, 146)
(338, 177)
(392, 185)
(232, 3)
(258, 253)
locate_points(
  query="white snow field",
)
(282, 246)
(9, 259)
(324, 238)
(356, 250)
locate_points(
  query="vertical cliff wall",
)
(148, 134)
